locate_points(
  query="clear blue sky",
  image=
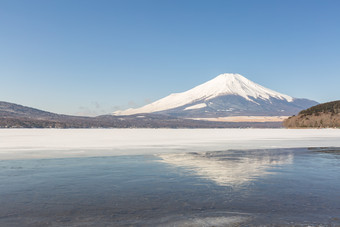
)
(93, 57)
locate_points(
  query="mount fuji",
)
(224, 96)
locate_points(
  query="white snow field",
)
(64, 143)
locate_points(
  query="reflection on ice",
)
(303, 189)
(229, 168)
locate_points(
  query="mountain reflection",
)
(230, 168)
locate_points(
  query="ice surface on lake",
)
(59, 143)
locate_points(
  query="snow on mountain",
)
(203, 96)
(197, 106)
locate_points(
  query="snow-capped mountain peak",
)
(201, 96)
(235, 84)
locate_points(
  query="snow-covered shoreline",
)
(65, 143)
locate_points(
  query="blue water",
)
(300, 189)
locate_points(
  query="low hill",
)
(326, 115)
(14, 110)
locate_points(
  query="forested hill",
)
(326, 115)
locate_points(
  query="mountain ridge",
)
(18, 116)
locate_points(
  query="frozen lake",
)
(169, 177)
(63, 143)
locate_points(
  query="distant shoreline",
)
(245, 119)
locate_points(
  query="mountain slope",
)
(226, 95)
(14, 110)
(326, 115)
